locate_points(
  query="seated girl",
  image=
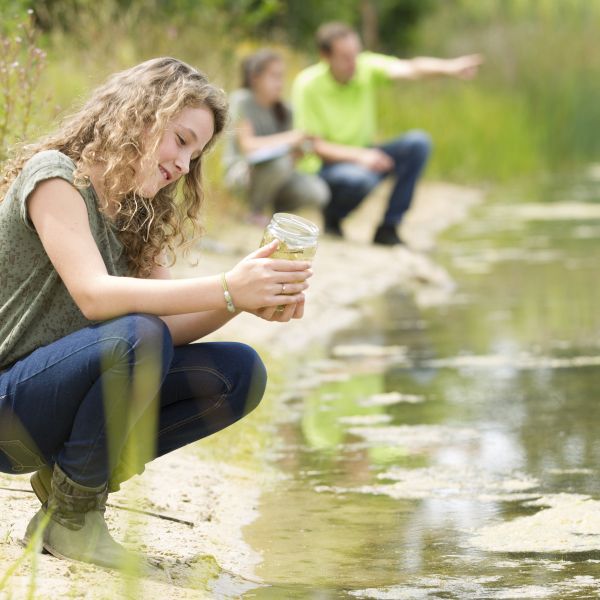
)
(260, 153)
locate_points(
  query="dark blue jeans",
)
(79, 401)
(350, 183)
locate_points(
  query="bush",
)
(21, 66)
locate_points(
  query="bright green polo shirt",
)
(343, 113)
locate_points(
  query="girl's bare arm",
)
(249, 141)
(190, 327)
(59, 215)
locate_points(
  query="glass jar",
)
(297, 237)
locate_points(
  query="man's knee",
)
(352, 181)
(419, 143)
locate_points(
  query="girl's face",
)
(184, 139)
(268, 84)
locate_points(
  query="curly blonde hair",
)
(121, 125)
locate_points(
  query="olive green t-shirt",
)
(35, 307)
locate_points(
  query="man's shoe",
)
(333, 228)
(386, 235)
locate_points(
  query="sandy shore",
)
(200, 506)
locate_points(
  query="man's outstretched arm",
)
(462, 67)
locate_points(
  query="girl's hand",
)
(296, 137)
(272, 313)
(262, 282)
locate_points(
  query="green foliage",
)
(21, 66)
(533, 107)
(291, 21)
(295, 21)
(477, 133)
(301, 18)
(399, 23)
(10, 9)
(65, 14)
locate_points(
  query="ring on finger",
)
(282, 289)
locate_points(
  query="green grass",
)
(30, 554)
(534, 106)
(477, 134)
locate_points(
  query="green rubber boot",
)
(77, 529)
(41, 483)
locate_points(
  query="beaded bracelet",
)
(227, 294)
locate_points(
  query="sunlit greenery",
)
(532, 108)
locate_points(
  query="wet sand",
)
(209, 501)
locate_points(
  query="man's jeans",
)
(351, 183)
(79, 400)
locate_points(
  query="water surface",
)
(452, 451)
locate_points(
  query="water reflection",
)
(432, 429)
